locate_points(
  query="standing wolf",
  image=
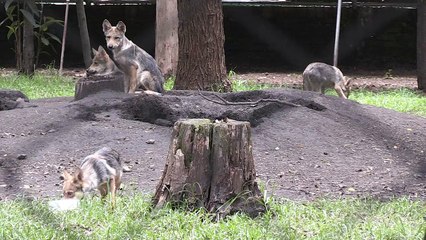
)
(139, 68)
(101, 170)
(319, 76)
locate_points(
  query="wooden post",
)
(337, 36)
(64, 36)
(211, 165)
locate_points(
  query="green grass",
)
(401, 100)
(134, 219)
(41, 85)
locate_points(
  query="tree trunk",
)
(166, 34)
(84, 33)
(27, 45)
(201, 63)
(421, 45)
(211, 165)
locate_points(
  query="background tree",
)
(166, 36)
(84, 33)
(27, 25)
(28, 38)
(421, 45)
(201, 55)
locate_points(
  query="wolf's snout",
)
(90, 72)
(110, 46)
(69, 194)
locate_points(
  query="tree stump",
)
(93, 84)
(211, 165)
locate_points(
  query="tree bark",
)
(84, 33)
(421, 45)
(166, 34)
(201, 63)
(28, 45)
(211, 165)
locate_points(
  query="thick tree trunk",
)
(28, 45)
(421, 44)
(201, 63)
(84, 33)
(211, 165)
(166, 36)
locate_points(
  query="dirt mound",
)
(306, 145)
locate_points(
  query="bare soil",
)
(324, 147)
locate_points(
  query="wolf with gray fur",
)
(140, 69)
(101, 170)
(319, 76)
(102, 64)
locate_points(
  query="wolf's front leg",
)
(133, 79)
(126, 83)
(340, 91)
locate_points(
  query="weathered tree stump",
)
(211, 165)
(93, 84)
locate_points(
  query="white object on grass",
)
(64, 204)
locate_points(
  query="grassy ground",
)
(401, 100)
(134, 219)
(42, 85)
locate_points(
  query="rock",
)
(51, 131)
(127, 168)
(11, 99)
(150, 141)
(22, 156)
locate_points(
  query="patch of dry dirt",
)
(326, 147)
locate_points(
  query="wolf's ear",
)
(121, 26)
(79, 175)
(94, 51)
(101, 50)
(106, 25)
(65, 175)
(348, 81)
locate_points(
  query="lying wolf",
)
(140, 68)
(101, 170)
(319, 76)
(102, 64)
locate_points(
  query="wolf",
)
(102, 64)
(140, 69)
(319, 76)
(101, 170)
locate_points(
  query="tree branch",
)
(252, 104)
